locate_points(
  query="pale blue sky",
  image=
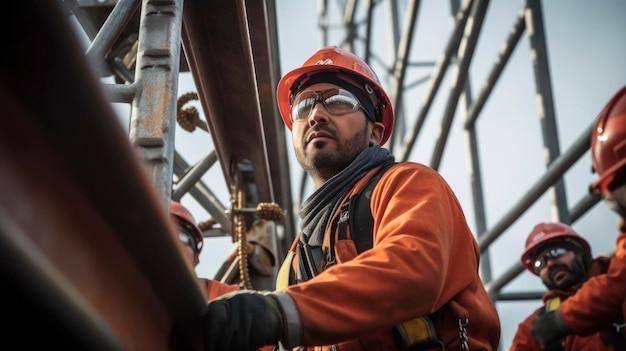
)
(587, 55)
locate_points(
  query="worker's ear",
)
(377, 130)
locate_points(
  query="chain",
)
(236, 212)
(463, 334)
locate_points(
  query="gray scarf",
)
(319, 207)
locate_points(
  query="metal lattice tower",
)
(77, 63)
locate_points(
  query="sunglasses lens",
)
(190, 241)
(540, 262)
(336, 101)
(184, 237)
(341, 104)
(302, 108)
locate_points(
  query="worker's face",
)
(189, 243)
(325, 143)
(560, 267)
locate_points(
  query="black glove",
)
(243, 321)
(549, 327)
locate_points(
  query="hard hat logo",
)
(539, 236)
(324, 62)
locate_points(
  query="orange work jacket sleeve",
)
(424, 256)
(600, 301)
(213, 288)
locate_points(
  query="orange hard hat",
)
(334, 59)
(608, 141)
(182, 214)
(545, 233)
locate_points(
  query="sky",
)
(587, 54)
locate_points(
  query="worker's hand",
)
(242, 321)
(549, 327)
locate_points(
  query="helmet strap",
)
(344, 82)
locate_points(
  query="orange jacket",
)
(424, 258)
(213, 288)
(525, 341)
(601, 300)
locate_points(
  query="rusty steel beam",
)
(217, 45)
(264, 38)
(86, 244)
(232, 52)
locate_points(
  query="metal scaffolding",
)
(138, 49)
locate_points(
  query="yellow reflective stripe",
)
(553, 304)
(282, 279)
(419, 330)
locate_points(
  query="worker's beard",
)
(326, 163)
(577, 274)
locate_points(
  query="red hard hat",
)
(608, 141)
(334, 59)
(544, 233)
(181, 213)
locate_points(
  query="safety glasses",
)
(337, 102)
(540, 262)
(190, 241)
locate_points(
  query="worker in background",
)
(600, 301)
(191, 236)
(420, 275)
(193, 239)
(188, 231)
(563, 261)
(260, 257)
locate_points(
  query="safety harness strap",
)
(551, 305)
(416, 334)
(362, 224)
